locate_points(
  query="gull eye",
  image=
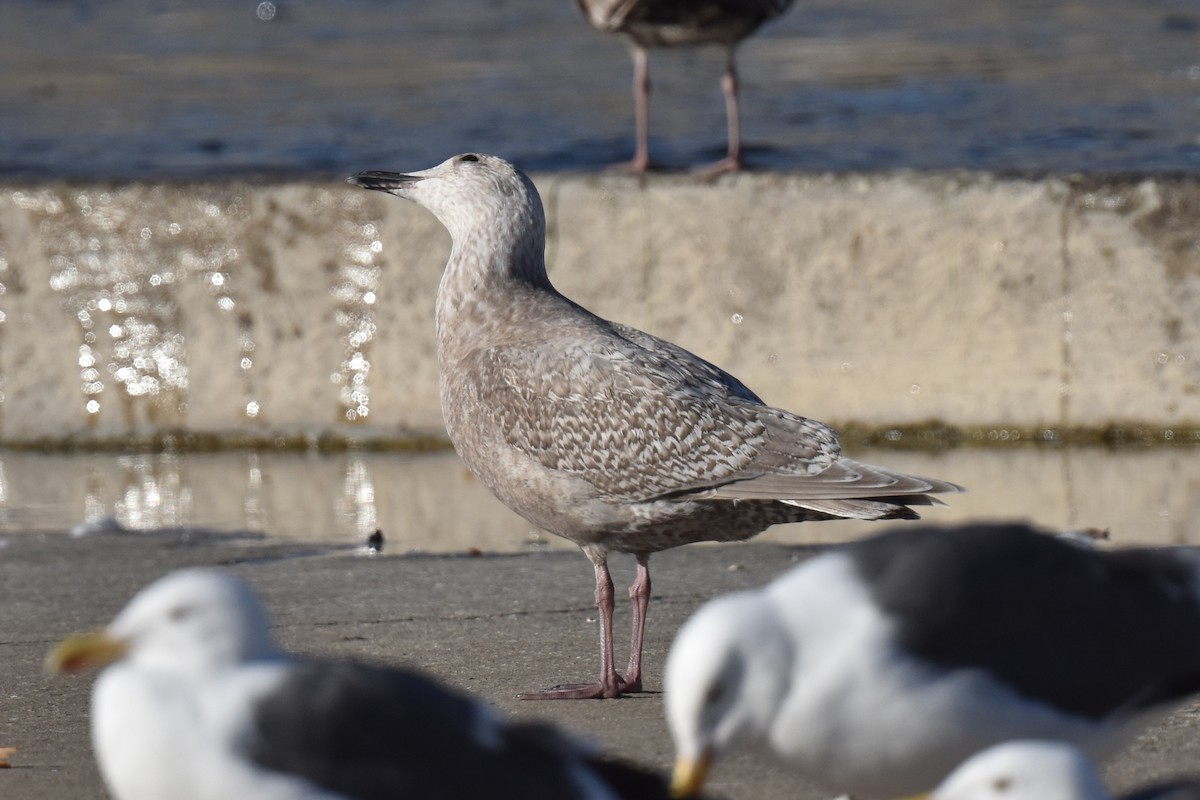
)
(714, 694)
(1002, 784)
(468, 157)
(179, 612)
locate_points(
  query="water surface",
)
(158, 88)
(431, 503)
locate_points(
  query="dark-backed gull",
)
(198, 703)
(1032, 769)
(877, 667)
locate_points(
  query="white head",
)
(726, 676)
(1024, 770)
(485, 202)
(193, 621)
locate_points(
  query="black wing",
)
(1091, 632)
(370, 733)
(1181, 790)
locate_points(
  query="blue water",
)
(154, 89)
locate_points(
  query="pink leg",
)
(610, 684)
(639, 597)
(641, 111)
(733, 158)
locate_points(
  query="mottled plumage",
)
(201, 705)
(674, 23)
(877, 667)
(598, 432)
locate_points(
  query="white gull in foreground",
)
(1042, 770)
(598, 432)
(877, 667)
(197, 703)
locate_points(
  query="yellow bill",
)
(81, 651)
(690, 773)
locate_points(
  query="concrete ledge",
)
(261, 309)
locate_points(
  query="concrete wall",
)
(876, 300)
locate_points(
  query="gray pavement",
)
(494, 625)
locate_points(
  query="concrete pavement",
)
(494, 625)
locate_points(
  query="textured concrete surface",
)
(880, 299)
(493, 625)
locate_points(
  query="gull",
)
(196, 702)
(598, 432)
(1041, 770)
(672, 23)
(877, 667)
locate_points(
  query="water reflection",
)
(134, 268)
(356, 506)
(355, 291)
(430, 502)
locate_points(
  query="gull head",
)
(725, 678)
(1024, 770)
(192, 621)
(469, 193)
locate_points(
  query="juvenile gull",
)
(598, 432)
(877, 667)
(672, 23)
(1042, 770)
(198, 703)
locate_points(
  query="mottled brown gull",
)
(598, 432)
(673, 23)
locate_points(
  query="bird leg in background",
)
(639, 597)
(610, 684)
(729, 85)
(641, 109)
